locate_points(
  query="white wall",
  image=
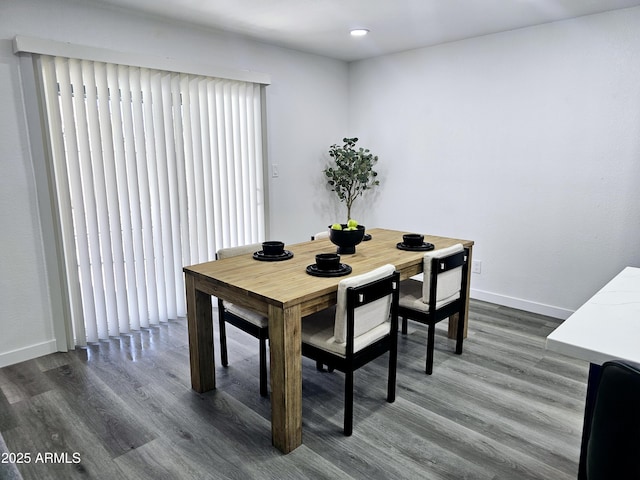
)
(527, 142)
(25, 320)
(307, 112)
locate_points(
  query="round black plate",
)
(343, 270)
(367, 237)
(286, 255)
(425, 247)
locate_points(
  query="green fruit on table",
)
(352, 224)
(336, 226)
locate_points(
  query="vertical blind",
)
(153, 170)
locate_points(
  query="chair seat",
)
(411, 296)
(248, 315)
(318, 330)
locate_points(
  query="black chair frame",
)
(613, 426)
(261, 333)
(357, 297)
(433, 316)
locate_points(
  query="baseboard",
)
(27, 353)
(521, 304)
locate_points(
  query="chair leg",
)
(460, 333)
(430, 345)
(391, 382)
(224, 359)
(348, 403)
(263, 367)
(404, 325)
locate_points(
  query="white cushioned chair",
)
(319, 235)
(442, 293)
(246, 320)
(361, 327)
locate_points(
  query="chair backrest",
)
(374, 308)
(319, 235)
(446, 264)
(235, 251)
(614, 440)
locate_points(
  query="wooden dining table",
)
(284, 292)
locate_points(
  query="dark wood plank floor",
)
(504, 409)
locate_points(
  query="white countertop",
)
(607, 326)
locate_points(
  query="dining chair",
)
(614, 427)
(441, 294)
(319, 235)
(360, 328)
(246, 320)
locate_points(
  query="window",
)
(153, 170)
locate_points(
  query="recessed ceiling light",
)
(359, 32)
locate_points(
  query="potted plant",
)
(351, 172)
(350, 175)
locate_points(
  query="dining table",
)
(284, 292)
(606, 327)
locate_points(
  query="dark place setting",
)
(328, 265)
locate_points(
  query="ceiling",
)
(322, 26)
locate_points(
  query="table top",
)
(286, 282)
(607, 326)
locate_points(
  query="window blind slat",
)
(205, 127)
(120, 320)
(216, 213)
(102, 261)
(156, 150)
(183, 217)
(136, 151)
(118, 187)
(225, 194)
(169, 201)
(190, 176)
(229, 152)
(55, 123)
(146, 177)
(63, 69)
(127, 181)
(198, 179)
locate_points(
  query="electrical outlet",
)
(275, 173)
(476, 266)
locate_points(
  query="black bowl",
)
(328, 261)
(273, 248)
(413, 239)
(346, 240)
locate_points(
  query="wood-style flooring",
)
(124, 409)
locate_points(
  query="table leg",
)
(286, 377)
(200, 326)
(589, 405)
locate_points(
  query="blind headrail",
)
(23, 44)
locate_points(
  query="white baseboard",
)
(27, 353)
(521, 304)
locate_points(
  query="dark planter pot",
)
(346, 240)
